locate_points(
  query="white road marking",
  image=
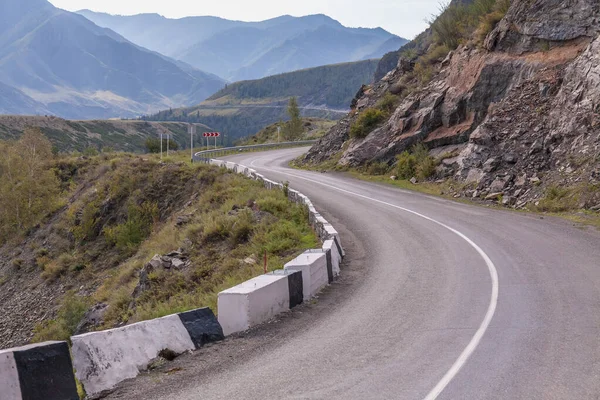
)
(472, 346)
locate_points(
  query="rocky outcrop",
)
(518, 115)
(530, 25)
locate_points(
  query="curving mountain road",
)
(439, 300)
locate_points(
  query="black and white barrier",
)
(262, 298)
(37, 372)
(103, 359)
(315, 275)
(258, 300)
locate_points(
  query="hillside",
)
(87, 259)
(243, 108)
(56, 62)
(313, 128)
(507, 107)
(71, 135)
(237, 50)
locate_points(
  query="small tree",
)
(153, 145)
(293, 128)
(29, 189)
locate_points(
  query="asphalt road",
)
(444, 300)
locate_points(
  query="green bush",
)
(416, 163)
(366, 122)
(558, 199)
(406, 166)
(69, 316)
(136, 229)
(90, 151)
(378, 168)
(388, 103)
(153, 145)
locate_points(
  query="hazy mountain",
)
(13, 101)
(54, 61)
(249, 50)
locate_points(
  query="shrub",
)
(388, 103)
(90, 152)
(366, 122)
(450, 27)
(416, 163)
(70, 314)
(423, 72)
(435, 55)
(426, 168)
(457, 22)
(378, 168)
(56, 268)
(558, 199)
(138, 226)
(242, 228)
(153, 145)
(406, 165)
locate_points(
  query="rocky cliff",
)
(512, 117)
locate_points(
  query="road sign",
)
(212, 134)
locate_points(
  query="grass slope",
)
(70, 136)
(314, 128)
(121, 210)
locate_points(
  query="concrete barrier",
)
(258, 300)
(103, 359)
(313, 265)
(37, 372)
(336, 256)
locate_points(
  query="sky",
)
(405, 18)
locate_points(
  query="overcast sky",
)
(402, 17)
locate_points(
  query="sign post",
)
(192, 131)
(209, 135)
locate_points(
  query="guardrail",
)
(206, 155)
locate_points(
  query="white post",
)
(278, 134)
(191, 142)
(215, 142)
(161, 140)
(167, 145)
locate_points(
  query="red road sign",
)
(212, 134)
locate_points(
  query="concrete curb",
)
(103, 359)
(38, 371)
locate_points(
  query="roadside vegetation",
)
(312, 128)
(297, 128)
(87, 225)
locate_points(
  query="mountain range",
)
(236, 50)
(57, 62)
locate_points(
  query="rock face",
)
(522, 112)
(531, 24)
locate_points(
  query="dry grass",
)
(232, 218)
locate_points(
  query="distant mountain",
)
(57, 62)
(243, 108)
(238, 50)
